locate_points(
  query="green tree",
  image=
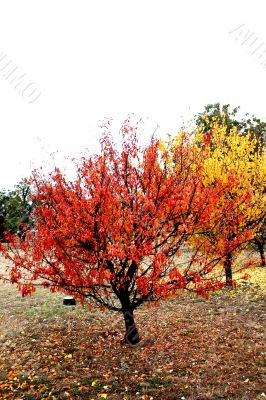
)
(229, 117)
(3, 211)
(222, 114)
(15, 209)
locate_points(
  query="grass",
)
(191, 348)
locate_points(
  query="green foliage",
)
(229, 117)
(219, 113)
(15, 209)
(3, 211)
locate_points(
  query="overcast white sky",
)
(162, 60)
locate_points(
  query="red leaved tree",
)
(113, 236)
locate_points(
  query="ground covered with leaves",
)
(191, 348)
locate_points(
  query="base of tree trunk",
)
(131, 336)
(262, 257)
(228, 271)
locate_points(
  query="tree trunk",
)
(131, 335)
(262, 254)
(228, 270)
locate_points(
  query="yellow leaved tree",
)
(233, 162)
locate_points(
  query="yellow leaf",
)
(94, 382)
(103, 395)
(108, 373)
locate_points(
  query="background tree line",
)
(16, 207)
